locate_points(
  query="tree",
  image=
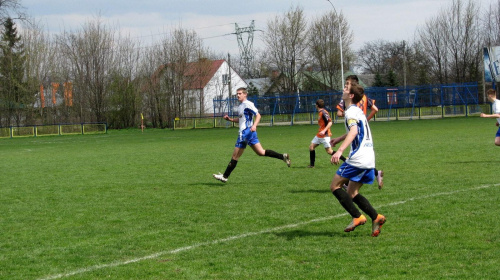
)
(40, 60)
(453, 42)
(91, 53)
(14, 94)
(123, 91)
(378, 80)
(11, 9)
(324, 47)
(285, 40)
(491, 25)
(391, 80)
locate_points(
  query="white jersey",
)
(246, 111)
(496, 108)
(361, 154)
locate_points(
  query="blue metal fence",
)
(459, 98)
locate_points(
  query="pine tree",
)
(391, 79)
(378, 80)
(12, 60)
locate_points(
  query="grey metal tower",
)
(246, 47)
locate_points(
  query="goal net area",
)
(55, 129)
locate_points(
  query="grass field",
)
(127, 205)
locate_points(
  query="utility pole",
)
(230, 109)
(341, 53)
(404, 63)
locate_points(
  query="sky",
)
(214, 20)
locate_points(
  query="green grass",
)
(127, 205)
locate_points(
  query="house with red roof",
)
(207, 80)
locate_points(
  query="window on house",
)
(225, 79)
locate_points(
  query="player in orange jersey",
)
(324, 133)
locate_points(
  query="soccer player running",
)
(364, 104)
(492, 97)
(324, 133)
(358, 169)
(247, 135)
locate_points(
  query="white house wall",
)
(215, 89)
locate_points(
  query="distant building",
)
(206, 80)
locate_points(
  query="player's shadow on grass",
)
(473, 161)
(290, 235)
(326, 190)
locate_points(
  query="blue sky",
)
(212, 19)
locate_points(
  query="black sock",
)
(345, 200)
(376, 172)
(312, 157)
(365, 205)
(273, 154)
(230, 167)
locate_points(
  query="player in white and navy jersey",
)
(247, 135)
(358, 169)
(364, 104)
(492, 97)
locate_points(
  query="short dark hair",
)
(244, 89)
(320, 103)
(353, 78)
(358, 92)
(491, 92)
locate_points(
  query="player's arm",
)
(353, 132)
(327, 127)
(227, 118)
(490, 115)
(373, 111)
(340, 110)
(255, 122)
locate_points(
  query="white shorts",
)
(325, 141)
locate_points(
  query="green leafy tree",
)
(13, 93)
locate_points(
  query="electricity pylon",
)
(246, 48)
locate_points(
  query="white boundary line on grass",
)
(235, 237)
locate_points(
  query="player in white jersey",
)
(358, 169)
(247, 135)
(492, 97)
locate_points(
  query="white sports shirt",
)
(496, 108)
(362, 154)
(246, 111)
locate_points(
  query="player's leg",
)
(312, 153)
(497, 137)
(257, 148)
(362, 202)
(239, 148)
(237, 152)
(346, 201)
